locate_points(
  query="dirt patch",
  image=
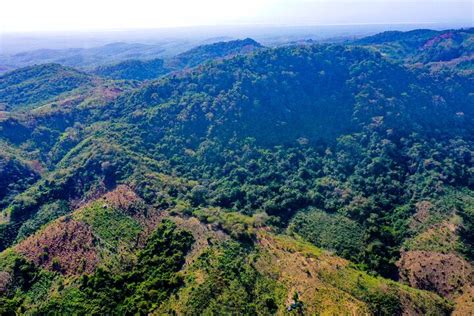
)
(66, 246)
(125, 201)
(445, 274)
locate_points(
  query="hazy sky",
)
(65, 15)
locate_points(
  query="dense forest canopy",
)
(243, 180)
(449, 49)
(38, 84)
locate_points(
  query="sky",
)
(83, 15)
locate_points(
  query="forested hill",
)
(309, 93)
(133, 70)
(152, 69)
(203, 53)
(38, 84)
(306, 179)
(440, 50)
(415, 38)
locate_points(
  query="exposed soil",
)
(445, 274)
(67, 246)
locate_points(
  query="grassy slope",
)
(330, 285)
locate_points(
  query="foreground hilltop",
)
(188, 267)
(302, 179)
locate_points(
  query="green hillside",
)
(133, 70)
(36, 84)
(440, 50)
(154, 68)
(308, 179)
(184, 267)
(202, 53)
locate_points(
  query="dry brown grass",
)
(465, 303)
(299, 269)
(422, 214)
(123, 198)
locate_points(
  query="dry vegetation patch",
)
(66, 245)
(422, 215)
(5, 280)
(465, 303)
(299, 270)
(122, 198)
(204, 235)
(445, 274)
(442, 237)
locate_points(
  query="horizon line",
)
(247, 25)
